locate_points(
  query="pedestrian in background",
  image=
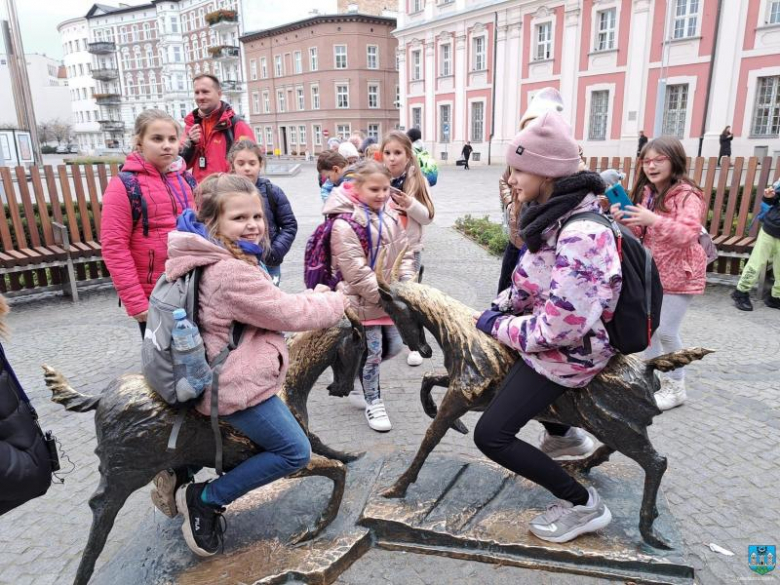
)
(642, 141)
(466, 154)
(725, 143)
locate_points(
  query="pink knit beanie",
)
(545, 147)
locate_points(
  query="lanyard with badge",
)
(373, 253)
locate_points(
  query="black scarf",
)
(567, 194)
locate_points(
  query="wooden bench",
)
(42, 248)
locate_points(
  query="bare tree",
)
(45, 131)
(62, 131)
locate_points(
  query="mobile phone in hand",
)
(617, 194)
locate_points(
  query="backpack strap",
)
(137, 199)
(359, 230)
(192, 182)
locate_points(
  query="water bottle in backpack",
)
(191, 370)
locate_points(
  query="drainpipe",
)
(709, 77)
(493, 91)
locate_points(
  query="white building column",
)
(430, 135)
(461, 75)
(511, 82)
(499, 112)
(570, 56)
(403, 85)
(636, 78)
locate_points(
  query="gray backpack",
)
(157, 357)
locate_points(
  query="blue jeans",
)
(272, 426)
(276, 274)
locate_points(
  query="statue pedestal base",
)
(473, 509)
(461, 508)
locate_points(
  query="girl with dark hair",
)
(667, 217)
(725, 142)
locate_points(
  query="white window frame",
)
(337, 56)
(440, 120)
(473, 137)
(445, 63)
(685, 24)
(313, 59)
(416, 6)
(412, 109)
(297, 62)
(253, 69)
(269, 138)
(677, 128)
(302, 135)
(374, 135)
(316, 132)
(342, 104)
(772, 12)
(266, 102)
(775, 94)
(610, 87)
(255, 102)
(263, 68)
(292, 135)
(479, 57)
(373, 86)
(300, 98)
(539, 44)
(343, 134)
(592, 115)
(605, 38)
(314, 90)
(278, 66)
(281, 101)
(369, 57)
(415, 65)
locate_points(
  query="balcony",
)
(225, 53)
(102, 48)
(108, 99)
(222, 20)
(105, 74)
(230, 86)
(112, 126)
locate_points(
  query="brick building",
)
(328, 75)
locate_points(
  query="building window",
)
(255, 102)
(269, 138)
(444, 123)
(280, 100)
(297, 62)
(417, 6)
(316, 130)
(373, 95)
(446, 60)
(774, 12)
(266, 103)
(543, 38)
(343, 131)
(605, 38)
(253, 69)
(416, 65)
(315, 97)
(263, 68)
(293, 133)
(313, 59)
(477, 121)
(373, 131)
(177, 54)
(278, 71)
(478, 51)
(342, 96)
(302, 134)
(686, 17)
(397, 96)
(299, 95)
(416, 118)
(340, 52)
(372, 57)
(766, 116)
(675, 109)
(599, 110)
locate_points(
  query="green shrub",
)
(484, 232)
(48, 149)
(95, 160)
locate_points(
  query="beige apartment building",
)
(327, 75)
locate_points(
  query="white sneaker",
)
(671, 394)
(575, 443)
(377, 418)
(357, 399)
(563, 522)
(414, 358)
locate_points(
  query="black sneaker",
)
(772, 302)
(742, 300)
(203, 525)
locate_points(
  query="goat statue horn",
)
(397, 264)
(379, 269)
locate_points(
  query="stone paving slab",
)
(722, 445)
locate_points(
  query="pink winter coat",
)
(558, 299)
(232, 290)
(674, 240)
(135, 261)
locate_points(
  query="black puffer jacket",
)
(25, 471)
(282, 225)
(771, 221)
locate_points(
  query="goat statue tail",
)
(677, 359)
(62, 393)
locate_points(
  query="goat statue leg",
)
(320, 448)
(599, 456)
(453, 406)
(335, 471)
(429, 381)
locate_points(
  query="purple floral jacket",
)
(558, 298)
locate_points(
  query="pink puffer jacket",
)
(674, 240)
(136, 261)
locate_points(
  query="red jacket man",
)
(210, 130)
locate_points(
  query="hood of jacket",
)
(187, 251)
(343, 199)
(136, 163)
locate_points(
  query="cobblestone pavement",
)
(722, 445)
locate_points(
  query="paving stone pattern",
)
(722, 445)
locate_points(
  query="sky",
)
(39, 18)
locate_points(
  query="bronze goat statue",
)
(616, 407)
(133, 423)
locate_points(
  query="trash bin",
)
(475, 156)
(443, 156)
(760, 151)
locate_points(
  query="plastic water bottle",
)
(191, 370)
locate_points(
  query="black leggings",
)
(523, 395)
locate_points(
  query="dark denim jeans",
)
(272, 426)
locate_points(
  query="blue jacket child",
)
(282, 225)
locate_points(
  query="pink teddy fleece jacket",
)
(232, 290)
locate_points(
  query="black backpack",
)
(638, 311)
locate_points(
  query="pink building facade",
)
(325, 76)
(468, 69)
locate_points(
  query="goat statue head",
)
(349, 353)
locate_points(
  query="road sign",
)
(446, 128)
(325, 133)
